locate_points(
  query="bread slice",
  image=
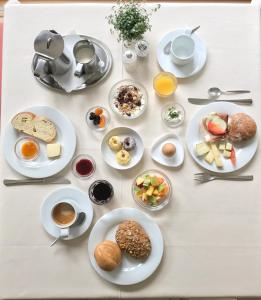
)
(36, 126)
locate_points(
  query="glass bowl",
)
(173, 114)
(123, 109)
(83, 166)
(170, 77)
(157, 184)
(90, 122)
(18, 148)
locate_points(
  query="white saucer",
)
(185, 71)
(81, 200)
(110, 156)
(158, 156)
(131, 271)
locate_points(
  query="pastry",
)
(129, 143)
(37, 126)
(241, 127)
(169, 149)
(115, 143)
(132, 239)
(107, 255)
(123, 157)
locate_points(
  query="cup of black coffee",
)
(101, 192)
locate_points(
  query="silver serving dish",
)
(60, 82)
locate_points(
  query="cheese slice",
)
(228, 146)
(53, 150)
(209, 158)
(202, 148)
(227, 154)
(217, 157)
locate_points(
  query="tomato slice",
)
(233, 157)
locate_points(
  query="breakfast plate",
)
(174, 160)
(131, 271)
(80, 199)
(42, 166)
(111, 156)
(245, 151)
(187, 70)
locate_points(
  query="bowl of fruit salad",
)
(152, 190)
(98, 118)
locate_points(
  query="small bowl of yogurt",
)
(173, 114)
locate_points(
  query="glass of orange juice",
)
(165, 84)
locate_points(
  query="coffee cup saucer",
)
(189, 69)
(75, 195)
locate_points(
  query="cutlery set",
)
(215, 92)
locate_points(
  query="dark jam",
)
(101, 192)
(84, 167)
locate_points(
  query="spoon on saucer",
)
(79, 221)
(168, 45)
(215, 92)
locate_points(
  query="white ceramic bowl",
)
(115, 91)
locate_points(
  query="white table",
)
(212, 232)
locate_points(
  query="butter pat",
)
(53, 150)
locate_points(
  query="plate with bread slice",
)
(125, 246)
(39, 142)
(222, 137)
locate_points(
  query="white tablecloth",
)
(212, 232)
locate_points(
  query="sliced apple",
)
(216, 125)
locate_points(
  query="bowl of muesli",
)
(128, 99)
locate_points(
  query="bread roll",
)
(107, 255)
(241, 127)
(37, 126)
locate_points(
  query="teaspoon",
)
(168, 45)
(215, 92)
(79, 221)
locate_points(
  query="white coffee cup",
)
(64, 215)
(182, 49)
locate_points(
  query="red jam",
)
(84, 167)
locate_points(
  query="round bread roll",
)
(107, 255)
(241, 127)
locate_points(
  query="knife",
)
(204, 101)
(11, 182)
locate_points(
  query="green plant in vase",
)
(130, 19)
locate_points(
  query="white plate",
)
(185, 71)
(110, 156)
(244, 151)
(42, 166)
(131, 270)
(81, 200)
(157, 155)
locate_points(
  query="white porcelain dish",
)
(80, 199)
(157, 155)
(131, 271)
(244, 151)
(189, 69)
(42, 166)
(110, 156)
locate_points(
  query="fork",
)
(205, 177)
